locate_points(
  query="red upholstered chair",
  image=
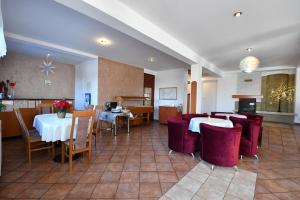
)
(188, 117)
(220, 146)
(219, 117)
(180, 138)
(250, 134)
(260, 119)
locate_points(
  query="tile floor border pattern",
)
(221, 183)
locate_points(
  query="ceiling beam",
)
(120, 17)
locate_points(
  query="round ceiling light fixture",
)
(151, 59)
(104, 41)
(237, 14)
(249, 64)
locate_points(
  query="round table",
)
(231, 115)
(52, 129)
(195, 123)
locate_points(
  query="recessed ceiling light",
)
(151, 59)
(249, 49)
(237, 14)
(104, 41)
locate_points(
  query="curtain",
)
(272, 82)
(2, 39)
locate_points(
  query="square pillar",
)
(196, 79)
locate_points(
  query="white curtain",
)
(2, 39)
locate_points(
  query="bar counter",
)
(28, 108)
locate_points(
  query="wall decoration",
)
(168, 93)
(47, 67)
(87, 98)
(282, 93)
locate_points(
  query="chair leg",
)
(90, 154)
(256, 157)
(212, 167)
(29, 156)
(70, 159)
(170, 152)
(241, 157)
(96, 141)
(193, 156)
(53, 150)
(62, 152)
(236, 168)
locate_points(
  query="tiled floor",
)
(137, 166)
(201, 183)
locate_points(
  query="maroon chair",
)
(250, 134)
(180, 139)
(220, 146)
(188, 117)
(260, 119)
(219, 117)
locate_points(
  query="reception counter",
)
(28, 108)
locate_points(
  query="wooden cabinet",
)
(165, 112)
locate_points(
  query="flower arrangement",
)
(62, 106)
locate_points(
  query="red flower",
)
(62, 105)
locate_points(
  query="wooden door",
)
(149, 82)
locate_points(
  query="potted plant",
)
(62, 107)
(2, 107)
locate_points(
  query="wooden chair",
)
(32, 138)
(45, 108)
(98, 109)
(82, 123)
(91, 107)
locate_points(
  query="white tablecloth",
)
(195, 123)
(231, 115)
(52, 128)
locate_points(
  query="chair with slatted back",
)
(98, 109)
(32, 138)
(82, 127)
(45, 108)
(91, 107)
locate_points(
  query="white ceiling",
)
(270, 27)
(54, 23)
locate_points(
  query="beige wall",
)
(118, 79)
(30, 80)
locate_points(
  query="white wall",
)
(226, 87)
(170, 78)
(297, 103)
(209, 96)
(249, 83)
(86, 81)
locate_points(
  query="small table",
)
(231, 115)
(195, 123)
(112, 117)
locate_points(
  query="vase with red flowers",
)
(62, 107)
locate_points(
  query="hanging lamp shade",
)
(2, 39)
(249, 64)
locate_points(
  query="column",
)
(297, 96)
(196, 75)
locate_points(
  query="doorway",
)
(209, 96)
(149, 82)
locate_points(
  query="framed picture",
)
(87, 98)
(168, 93)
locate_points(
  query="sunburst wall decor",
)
(47, 67)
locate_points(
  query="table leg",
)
(128, 125)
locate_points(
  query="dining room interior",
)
(130, 99)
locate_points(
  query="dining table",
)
(54, 129)
(231, 115)
(195, 122)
